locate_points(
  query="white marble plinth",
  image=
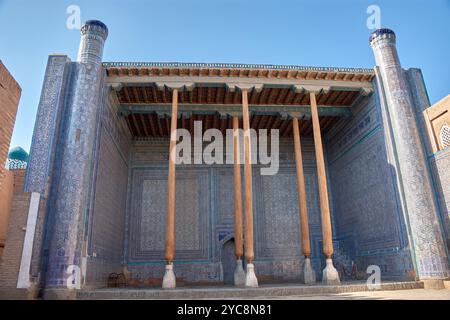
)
(169, 281)
(250, 277)
(308, 273)
(330, 276)
(239, 274)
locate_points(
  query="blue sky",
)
(309, 33)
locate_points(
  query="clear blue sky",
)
(309, 33)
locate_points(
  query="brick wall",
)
(440, 164)
(9, 100)
(436, 117)
(10, 261)
(6, 194)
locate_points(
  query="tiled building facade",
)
(99, 163)
(437, 120)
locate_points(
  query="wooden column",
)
(323, 191)
(237, 192)
(302, 205)
(248, 204)
(170, 223)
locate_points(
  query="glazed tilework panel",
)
(367, 215)
(75, 157)
(365, 196)
(277, 217)
(46, 126)
(107, 228)
(225, 196)
(440, 164)
(108, 208)
(420, 102)
(436, 163)
(149, 207)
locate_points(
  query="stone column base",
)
(239, 274)
(308, 274)
(250, 278)
(330, 276)
(435, 284)
(169, 280)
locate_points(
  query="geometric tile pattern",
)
(148, 215)
(367, 218)
(47, 119)
(76, 156)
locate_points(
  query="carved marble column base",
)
(250, 278)
(239, 274)
(330, 276)
(308, 274)
(169, 281)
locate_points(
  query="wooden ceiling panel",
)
(152, 125)
(220, 95)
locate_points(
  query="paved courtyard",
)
(415, 294)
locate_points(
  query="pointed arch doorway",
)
(228, 260)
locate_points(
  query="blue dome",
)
(18, 153)
(379, 32)
(97, 23)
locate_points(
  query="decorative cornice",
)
(232, 66)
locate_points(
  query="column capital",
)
(311, 89)
(180, 86)
(366, 91)
(116, 87)
(297, 115)
(245, 86)
(285, 115)
(225, 114)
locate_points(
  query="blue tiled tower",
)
(74, 152)
(425, 235)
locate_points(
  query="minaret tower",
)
(74, 156)
(421, 215)
(93, 36)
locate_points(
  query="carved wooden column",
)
(239, 274)
(250, 279)
(330, 274)
(169, 280)
(308, 274)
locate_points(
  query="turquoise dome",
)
(18, 153)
